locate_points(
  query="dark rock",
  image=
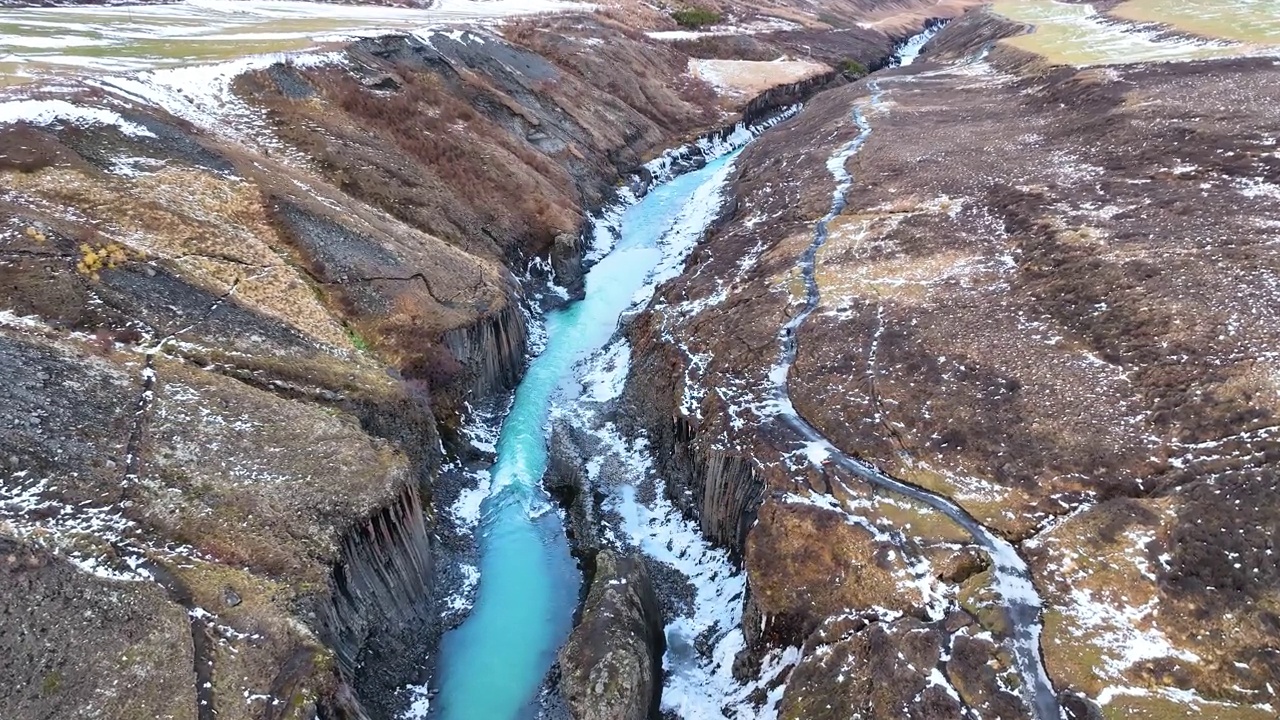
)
(962, 565)
(382, 82)
(956, 620)
(974, 669)
(1079, 707)
(566, 261)
(290, 82)
(566, 481)
(376, 618)
(746, 664)
(611, 667)
(57, 657)
(674, 590)
(492, 350)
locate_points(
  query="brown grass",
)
(214, 231)
(470, 161)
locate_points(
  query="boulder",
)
(611, 667)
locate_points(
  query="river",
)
(493, 664)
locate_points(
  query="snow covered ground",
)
(747, 78)
(49, 112)
(1078, 34)
(38, 41)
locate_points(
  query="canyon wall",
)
(240, 332)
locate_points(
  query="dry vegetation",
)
(211, 229)
(479, 175)
(1068, 304)
(812, 564)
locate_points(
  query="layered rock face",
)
(178, 484)
(1044, 299)
(611, 666)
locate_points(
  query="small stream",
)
(492, 666)
(1012, 576)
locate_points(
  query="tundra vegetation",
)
(254, 315)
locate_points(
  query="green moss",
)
(695, 17)
(356, 340)
(853, 68)
(1070, 655)
(1238, 21)
(1063, 35)
(979, 598)
(51, 683)
(325, 661)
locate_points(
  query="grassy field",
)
(1078, 35)
(37, 42)
(1244, 21)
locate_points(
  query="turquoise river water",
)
(492, 665)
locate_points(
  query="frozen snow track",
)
(1021, 602)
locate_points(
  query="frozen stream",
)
(1021, 603)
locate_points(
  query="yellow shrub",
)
(108, 256)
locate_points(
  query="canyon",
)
(782, 359)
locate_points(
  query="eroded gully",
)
(1012, 577)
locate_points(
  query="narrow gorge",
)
(489, 359)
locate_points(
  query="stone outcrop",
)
(492, 350)
(60, 661)
(720, 489)
(882, 671)
(611, 666)
(567, 481)
(566, 263)
(767, 102)
(375, 604)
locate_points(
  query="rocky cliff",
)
(611, 666)
(375, 606)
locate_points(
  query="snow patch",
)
(50, 112)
